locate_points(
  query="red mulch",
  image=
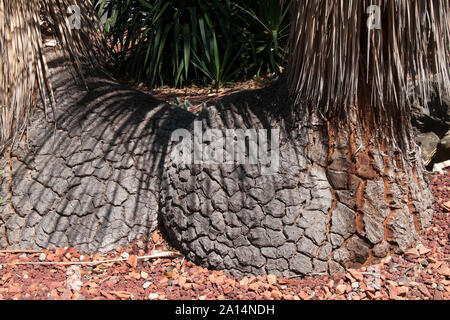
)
(423, 273)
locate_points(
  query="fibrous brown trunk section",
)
(383, 185)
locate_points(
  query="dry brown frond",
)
(336, 60)
(23, 62)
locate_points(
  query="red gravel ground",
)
(422, 274)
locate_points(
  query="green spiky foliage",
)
(173, 42)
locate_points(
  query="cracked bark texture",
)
(98, 178)
(91, 179)
(337, 201)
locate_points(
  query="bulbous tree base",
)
(99, 179)
(92, 180)
(337, 201)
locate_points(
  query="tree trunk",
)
(339, 199)
(337, 193)
(92, 179)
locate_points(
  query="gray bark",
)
(92, 180)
